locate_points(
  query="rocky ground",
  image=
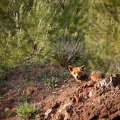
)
(67, 100)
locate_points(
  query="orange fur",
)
(80, 75)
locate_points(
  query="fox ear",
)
(82, 68)
(70, 68)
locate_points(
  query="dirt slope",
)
(66, 101)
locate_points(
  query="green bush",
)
(38, 25)
(115, 65)
(103, 34)
(37, 31)
(67, 51)
(28, 43)
(25, 110)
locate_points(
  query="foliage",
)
(3, 85)
(103, 34)
(37, 27)
(53, 78)
(8, 113)
(115, 65)
(25, 110)
(25, 98)
(70, 18)
(33, 31)
(26, 45)
(2, 74)
(67, 51)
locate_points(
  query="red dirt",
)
(67, 101)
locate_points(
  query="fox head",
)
(77, 72)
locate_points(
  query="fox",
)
(81, 76)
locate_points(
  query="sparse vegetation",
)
(3, 87)
(25, 110)
(54, 78)
(8, 113)
(25, 98)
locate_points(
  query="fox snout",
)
(78, 77)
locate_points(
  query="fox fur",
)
(80, 75)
